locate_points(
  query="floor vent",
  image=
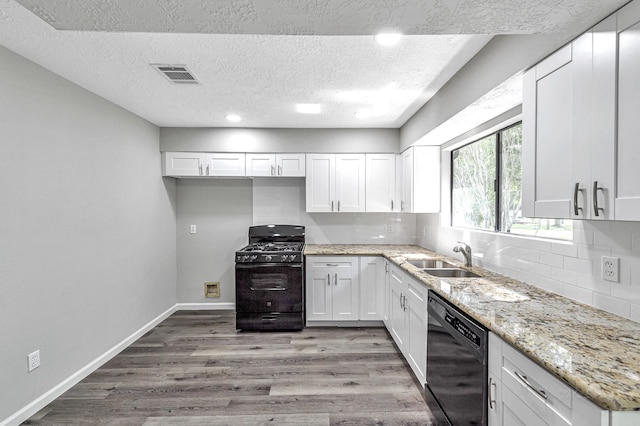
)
(176, 74)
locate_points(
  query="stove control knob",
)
(284, 258)
(245, 258)
(268, 257)
(292, 257)
(254, 257)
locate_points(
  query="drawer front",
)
(548, 396)
(417, 291)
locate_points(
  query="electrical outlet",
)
(33, 360)
(610, 268)
(390, 229)
(192, 229)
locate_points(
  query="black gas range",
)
(270, 279)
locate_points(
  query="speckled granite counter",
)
(597, 353)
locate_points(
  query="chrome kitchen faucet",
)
(465, 249)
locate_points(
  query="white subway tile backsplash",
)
(569, 268)
(569, 277)
(578, 293)
(611, 304)
(565, 249)
(552, 259)
(582, 266)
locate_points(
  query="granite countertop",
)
(595, 352)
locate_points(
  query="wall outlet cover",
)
(212, 289)
(611, 269)
(33, 360)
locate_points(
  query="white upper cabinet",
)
(183, 164)
(547, 134)
(225, 164)
(627, 197)
(580, 125)
(420, 180)
(335, 182)
(282, 165)
(380, 183)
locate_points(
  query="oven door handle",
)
(267, 265)
(268, 289)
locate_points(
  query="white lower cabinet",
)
(408, 320)
(523, 393)
(372, 282)
(332, 288)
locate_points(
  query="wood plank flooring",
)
(195, 369)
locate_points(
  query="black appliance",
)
(270, 279)
(457, 348)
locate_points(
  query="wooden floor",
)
(196, 369)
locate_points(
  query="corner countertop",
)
(595, 352)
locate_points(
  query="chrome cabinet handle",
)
(405, 302)
(401, 302)
(331, 205)
(335, 282)
(386, 266)
(332, 264)
(207, 170)
(273, 170)
(268, 289)
(338, 205)
(329, 279)
(576, 189)
(492, 400)
(200, 169)
(524, 380)
(391, 205)
(401, 206)
(279, 170)
(596, 209)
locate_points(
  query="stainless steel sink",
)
(450, 273)
(430, 263)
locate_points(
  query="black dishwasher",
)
(456, 364)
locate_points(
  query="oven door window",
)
(269, 288)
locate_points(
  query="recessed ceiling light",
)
(233, 117)
(387, 39)
(309, 108)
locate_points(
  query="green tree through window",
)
(486, 188)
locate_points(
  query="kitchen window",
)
(486, 188)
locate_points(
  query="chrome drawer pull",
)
(268, 289)
(596, 209)
(576, 189)
(524, 380)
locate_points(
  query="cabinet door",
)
(380, 182)
(372, 281)
(319, 289)
(547, 181)
(406, 199)
(183, 164)
(627, 201)
(397, 314)
(261, 164)
(320, 182)
(350, 182)
(417, 337)
(290, 165)
(226, 164)
(387, 294)
(345, 292)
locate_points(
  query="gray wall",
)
(87, 228)
(222, 212)
(503, 57)
(279, 140)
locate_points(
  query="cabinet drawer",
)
(417, 291)
(548, 396)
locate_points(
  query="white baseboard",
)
(216, 306)
(41, 402)
(363, 323)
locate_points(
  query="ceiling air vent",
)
(177, 74)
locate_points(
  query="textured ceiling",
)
(259, 58)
